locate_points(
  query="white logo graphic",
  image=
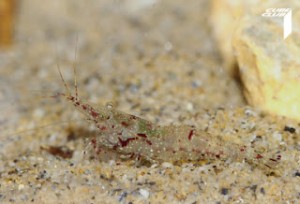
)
(286, 13)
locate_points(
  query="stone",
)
(225, 17)
(269, 66)
(253, 49)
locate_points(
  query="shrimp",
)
(135, 137)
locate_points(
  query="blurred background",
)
(150, 57)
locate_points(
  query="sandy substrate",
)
(158, 62)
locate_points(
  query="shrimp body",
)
(136, 137)
(139, 138)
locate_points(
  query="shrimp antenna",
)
(61, 76)
(74, 69)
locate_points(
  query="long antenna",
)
(61, 76)
(74, 69)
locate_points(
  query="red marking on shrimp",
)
(124, 143)
(268, 166)
(83, 107)
(191, 134)
(142, 135)
(102, 128)
(71, 98)
(125, 124)
(259, 156)
(94, 113)
(94, 143)
(115, 147)
(242, 149)
(149, 142)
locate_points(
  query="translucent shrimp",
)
(135, 137)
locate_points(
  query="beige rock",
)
(269, 65)
(225, 17)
